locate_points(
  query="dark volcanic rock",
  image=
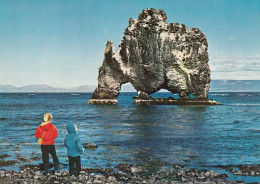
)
(169, 101)
(91, 146)
(4, 156)
(156, 55)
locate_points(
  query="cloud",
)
(254, 57)
(236, 75)
(236, 67)
(227, 64)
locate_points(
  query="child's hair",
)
(49, 116)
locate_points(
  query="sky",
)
(61, 42)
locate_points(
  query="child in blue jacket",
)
(74, 149)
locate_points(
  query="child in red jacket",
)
(48, 132)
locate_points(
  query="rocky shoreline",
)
(171, 101)
(159, 101)
(122, 174)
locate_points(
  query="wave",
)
(244, 104)
(241, 94)
(219, 94)
(74, 94)
(254, 130)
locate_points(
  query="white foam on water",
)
(219, 94)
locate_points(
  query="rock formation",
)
(156, 55)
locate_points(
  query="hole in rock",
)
(192, 96)
(127, 87)
(127, 93)
(164, 93)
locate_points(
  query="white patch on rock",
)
(167, 36)
(202, 49)
(126, 70)
(176, 79)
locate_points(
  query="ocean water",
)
(193, 136)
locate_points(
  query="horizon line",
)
(122, 84)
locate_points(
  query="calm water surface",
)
(194, 136)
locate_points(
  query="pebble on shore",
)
(128, 174)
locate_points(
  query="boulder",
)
(91, 146)
(156, 55)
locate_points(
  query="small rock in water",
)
(252, 173)
(91, 146)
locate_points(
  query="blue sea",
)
(126, 133)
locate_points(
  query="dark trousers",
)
(46, 150)
(74, 165)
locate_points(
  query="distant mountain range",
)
(45, 88)
(215, 86)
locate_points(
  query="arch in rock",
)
(156, 55)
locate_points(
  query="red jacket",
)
(50, 133)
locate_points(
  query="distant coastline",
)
(215, 86)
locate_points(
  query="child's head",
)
(47, 117)
(72, 128)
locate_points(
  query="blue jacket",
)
(72, 142)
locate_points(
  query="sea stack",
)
(156, 55)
